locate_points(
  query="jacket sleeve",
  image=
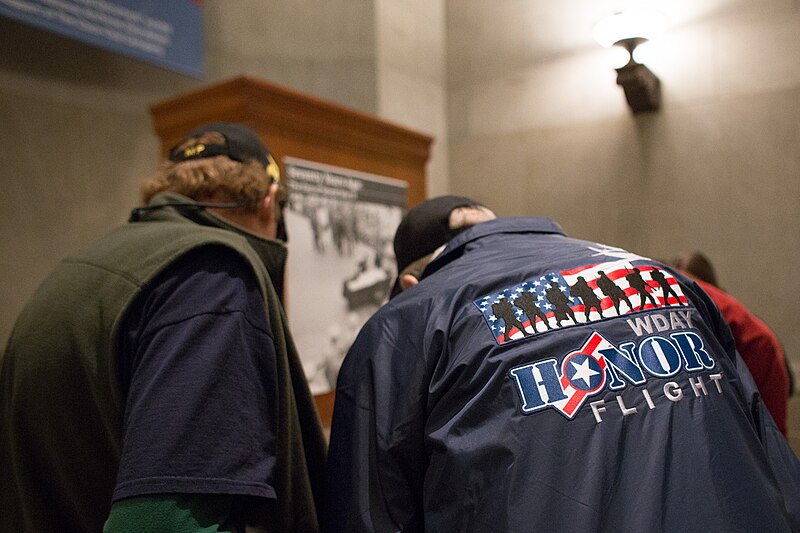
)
(763, 355)
(195, 348)
(783, 462)
(376, 460)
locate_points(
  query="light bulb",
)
(617, 57)
(644, 53)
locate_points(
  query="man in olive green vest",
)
(151, 382)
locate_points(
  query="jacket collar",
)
(456, 246)
(172, 207)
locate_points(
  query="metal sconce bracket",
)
(642, 87)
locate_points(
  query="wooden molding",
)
(294, 124)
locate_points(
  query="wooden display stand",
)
(293, 124)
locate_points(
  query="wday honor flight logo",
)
(666, 341)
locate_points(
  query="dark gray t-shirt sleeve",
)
(198, 371)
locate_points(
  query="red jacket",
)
(760, 349)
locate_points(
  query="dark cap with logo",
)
(425, 228)
(241, 144)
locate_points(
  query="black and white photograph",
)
(341, 264)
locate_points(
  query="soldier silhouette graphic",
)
(636, 281)
(582, 290)
(610, 289)
(527, 302)
(560, 300)
(503, 309)
(666, 288)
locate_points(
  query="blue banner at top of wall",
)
(168, 34)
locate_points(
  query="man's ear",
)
(269, 205)
(407, 281)
(266, 219)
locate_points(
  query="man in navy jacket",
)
(642, 419)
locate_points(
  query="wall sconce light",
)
(628, 30)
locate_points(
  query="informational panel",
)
(341, 266)
(168, 34)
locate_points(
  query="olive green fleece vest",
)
(60, 402)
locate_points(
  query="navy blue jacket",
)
(533, 382)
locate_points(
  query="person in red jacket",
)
(757, 344)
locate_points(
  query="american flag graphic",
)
(562, 299)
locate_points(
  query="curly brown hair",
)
(218, 178)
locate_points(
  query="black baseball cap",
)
(425, 228)
(241, 144)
